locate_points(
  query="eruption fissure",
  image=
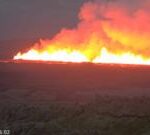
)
(103, 35)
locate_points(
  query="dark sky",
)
(42, 18)
(36, 18)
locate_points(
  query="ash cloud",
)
(39, 18)
(112, 24)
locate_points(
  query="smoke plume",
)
(110, 24)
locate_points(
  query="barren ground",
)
(74, 99)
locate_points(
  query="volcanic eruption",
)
(105, 34)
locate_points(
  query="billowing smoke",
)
(110, 24)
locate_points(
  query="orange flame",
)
(75, 56)
(103, 36)
(61, 55)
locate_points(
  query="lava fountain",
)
(111, 34)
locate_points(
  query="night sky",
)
(36, 18)
(23, 19)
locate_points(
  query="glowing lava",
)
(75, 56)
(59, 56)
(125, 58)
(112, 35)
